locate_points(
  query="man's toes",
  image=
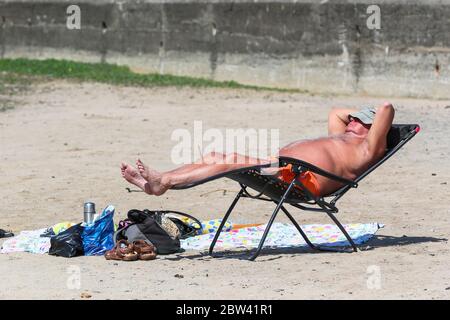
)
(140, 163)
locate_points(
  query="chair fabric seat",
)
(268, 185)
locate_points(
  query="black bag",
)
(156, 227)
(67, 243)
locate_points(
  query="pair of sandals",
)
(126, 251)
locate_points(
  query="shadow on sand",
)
(378, 241)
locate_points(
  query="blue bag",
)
(98, 237)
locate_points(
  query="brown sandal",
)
(144, 250)
(123, 250)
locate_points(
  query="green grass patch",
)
(112, 74)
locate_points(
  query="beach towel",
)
(283, 235)
(28, 241)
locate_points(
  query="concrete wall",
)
(321, 46)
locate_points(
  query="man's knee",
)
(214, 157)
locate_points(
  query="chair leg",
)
(326, 209)
(313, 246)
(272, 219)
(303, 234)
(341, 227)
(224, 220)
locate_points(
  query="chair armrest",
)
(319, 171)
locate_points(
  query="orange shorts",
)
(307, 178)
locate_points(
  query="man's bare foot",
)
(132, 176)
(153, 178)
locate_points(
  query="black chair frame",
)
(272, 189)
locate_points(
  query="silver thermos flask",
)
(89, 212)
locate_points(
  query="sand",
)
(63, 144)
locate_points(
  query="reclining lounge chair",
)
(270, 188)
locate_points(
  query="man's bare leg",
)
(209, 159)
(210, 165)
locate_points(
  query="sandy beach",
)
(64, 141)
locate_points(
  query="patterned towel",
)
(27, 241)
(283, 235)
(211, 226)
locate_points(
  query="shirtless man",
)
(355, 141)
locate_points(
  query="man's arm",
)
(380, 127)
(338, 120)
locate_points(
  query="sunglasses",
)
(365, 125)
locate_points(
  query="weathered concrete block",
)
(321, 47)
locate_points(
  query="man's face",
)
(357, 127)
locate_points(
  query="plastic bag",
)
(98, 237)
(67, 243)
